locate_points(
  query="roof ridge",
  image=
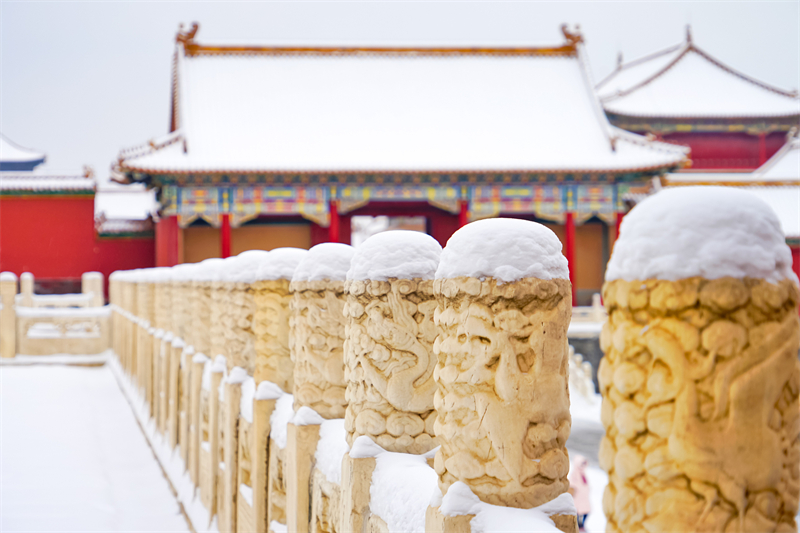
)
(639, 61)
(647, 81)
(719, 64)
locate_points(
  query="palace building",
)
(282, 146)
(683, 95)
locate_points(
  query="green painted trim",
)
(56, 193)
(127, 235)
(666, 125)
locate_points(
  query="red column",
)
(168, 242)
(225, 236)
(463, 214)
(762, 148)
(620, 216)
(333, 230)
(570, 227)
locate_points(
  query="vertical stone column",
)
(201, 305)
(317, 328)
(240, 307)
(316, 338)
(92, 283)
(184, 403)
(230, 433)
(504, 306)
(8, 316)
(173, 389)
(700, 377)
(26, 289)
(388, 353)
(199, 362)
(271, 318)
(263, 406)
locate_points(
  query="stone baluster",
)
(8, 316)
(316, 341)
(700, 377)
(388, 353)
(26, 289)
(92, 283)
(502, 403)
(271, 318)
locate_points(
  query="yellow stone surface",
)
(389, 363)
(502, 398)
(700, 405)
(316, 345)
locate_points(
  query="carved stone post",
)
(700, 377)
(271, 319)
(240, 307)
(8, 315)
(316, 337)
(201, 305)
(388, 352)
(218, 324)
(502, 401)
(317, 328)
(26, 289)
(181, 301)
(92, 283)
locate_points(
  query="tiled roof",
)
(684, 81)
(282, 110)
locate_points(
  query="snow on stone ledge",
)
(326, 261)
(402, 486)
(460, 500)
(280, 418)
(280, 264)
(396, 254)
(331, 448)
(505, 249)
(711, 232)
(8, 276)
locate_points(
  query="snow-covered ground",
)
(73, 458)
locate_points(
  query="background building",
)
(684, 95)
(282, 146)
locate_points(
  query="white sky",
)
(80, 80)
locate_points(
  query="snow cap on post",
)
(243, 268)
(395, 254)
(505, 249)
(327, 261)
(708, 232)
(280, 264)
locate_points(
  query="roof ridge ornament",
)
(689, 34)
(620, 60)
(573, 38)
(187, 37)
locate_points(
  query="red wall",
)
(796, 260)
(734, 151)
(54, 237)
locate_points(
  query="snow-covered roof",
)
(280, 110)
(118, 203)
(45, 183)
(784, 165)
(683, 81)
(116, 226)
(15, 157)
